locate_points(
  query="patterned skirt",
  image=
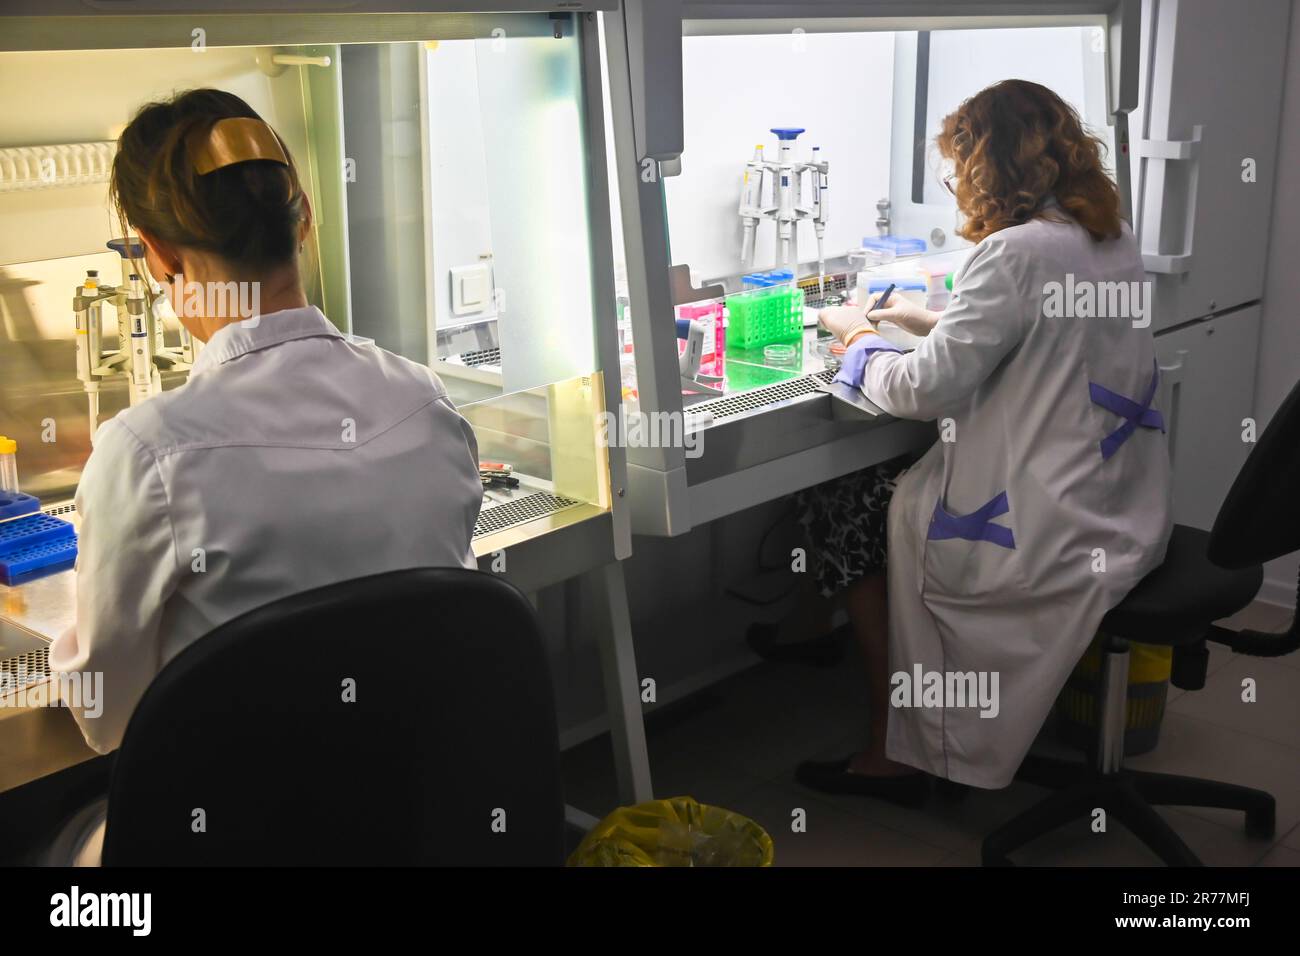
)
(845, 522)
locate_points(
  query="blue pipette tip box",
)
(898, 245)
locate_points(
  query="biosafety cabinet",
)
(458, 220)
(454, 159)
(776, 157)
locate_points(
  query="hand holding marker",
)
(882, 301)
(847, 323)
(871, 327)
(902, 312)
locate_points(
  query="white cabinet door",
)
(1212, 394)
(1210, 101)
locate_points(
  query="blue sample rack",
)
(32, 543)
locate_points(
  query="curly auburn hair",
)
(1013, 145)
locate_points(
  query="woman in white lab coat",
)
(292, 458)
(1046, 497)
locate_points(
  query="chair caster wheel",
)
(1261, 823)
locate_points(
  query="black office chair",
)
(446, 754)
(1204, 578)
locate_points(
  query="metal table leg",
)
(622, 688)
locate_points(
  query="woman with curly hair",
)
(1047, 496)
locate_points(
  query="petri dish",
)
(780, 354)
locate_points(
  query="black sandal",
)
(834, 776)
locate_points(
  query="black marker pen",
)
(880, 304)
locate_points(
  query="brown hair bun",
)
(249, 213)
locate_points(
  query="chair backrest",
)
(405, 718)
(1260, 517)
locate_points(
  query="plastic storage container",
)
(764, 316)
(910, 287)
(938, 291)
(893, 246)
(763, 280)
(711, 316)
(825, 339)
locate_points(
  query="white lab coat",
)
(291, 459)
(1086, 515)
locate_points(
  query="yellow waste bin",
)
(676, 832)
(1149, 668)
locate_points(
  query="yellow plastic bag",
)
(1147, 663)
(674, 832)
(1149, 668)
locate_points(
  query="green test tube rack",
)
(764, 316)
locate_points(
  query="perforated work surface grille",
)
(529, 508)
(481, 357)
(760, 397)
(23, 669)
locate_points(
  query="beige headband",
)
(236, 140)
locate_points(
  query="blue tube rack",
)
(15, 504)
(35, 544)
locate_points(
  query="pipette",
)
(821, 189)
(785, 203)
(141, 354)
(751, 201)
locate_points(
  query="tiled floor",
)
(736, 745)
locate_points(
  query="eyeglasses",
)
(948, 183)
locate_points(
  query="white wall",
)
(836, 86)
(963, 62)
(1069, 60)
(1279, 345)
